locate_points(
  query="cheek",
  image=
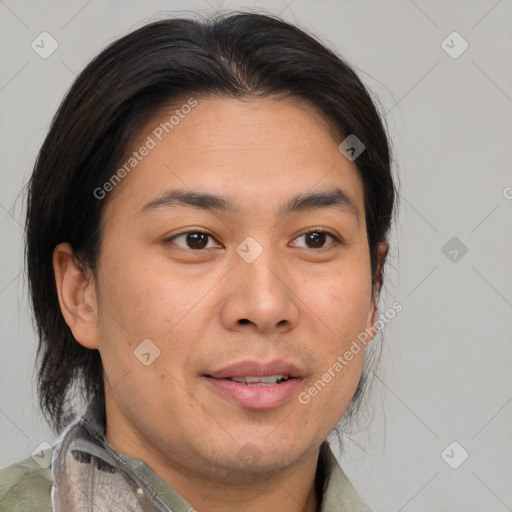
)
(143, 330)
(340, 311)
(326, 397)
(343, 302)
(141, 298)
(144, 301)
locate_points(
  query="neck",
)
(210, 489)
(291, 490)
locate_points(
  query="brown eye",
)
(315, 239)
(195, 240)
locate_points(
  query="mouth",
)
(254, 385)
(257, 381)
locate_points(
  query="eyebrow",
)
(334, 198)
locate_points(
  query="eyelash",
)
(336, 239)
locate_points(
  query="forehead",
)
(253, 149)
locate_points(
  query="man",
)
(206, 233)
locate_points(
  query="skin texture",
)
(206, 308)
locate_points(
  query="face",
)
(239, 239)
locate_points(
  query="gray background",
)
(445, 374)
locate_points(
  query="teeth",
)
(261, 381)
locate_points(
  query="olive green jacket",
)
(82, 472)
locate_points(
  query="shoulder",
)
(26, 485)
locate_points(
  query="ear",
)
(373, 313)
(77, 296)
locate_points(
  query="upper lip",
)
(257, 369)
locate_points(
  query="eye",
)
(195, 240)
(316, 239)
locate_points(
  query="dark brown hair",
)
(236, 55)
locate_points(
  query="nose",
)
(260, 296)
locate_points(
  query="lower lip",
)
(256, 397)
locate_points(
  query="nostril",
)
(244, 321)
